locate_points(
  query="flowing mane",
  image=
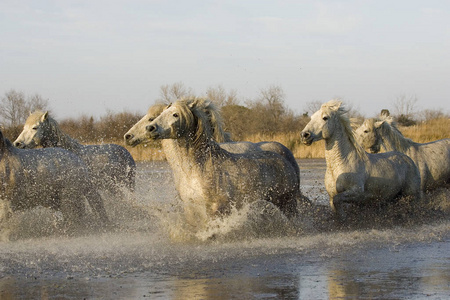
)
(211, 114)
(337, 107)
(202, 115)
(391, 133)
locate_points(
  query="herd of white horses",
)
(213, 174)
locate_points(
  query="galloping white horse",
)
(53, 178)
(111, 166)
(432, 159)
(209, 179)
(352, 175)
(218, 133)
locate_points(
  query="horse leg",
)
(130, 181)
(5, 215)
(73, 209)
(96, 202)
(287, 203)
(342, 201)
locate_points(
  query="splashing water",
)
(152, 246)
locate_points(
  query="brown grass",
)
(422, 133)
(429, 131)
(292, 141)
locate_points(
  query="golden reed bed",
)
(423, 132)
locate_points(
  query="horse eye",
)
(325, 118)
(175, 115)
(151, 119)
(35, 127)
(366, 131)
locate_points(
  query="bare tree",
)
(170, 93)
(404, 108)
(432, 114)
(273, 97)
(221, 97)
(404, 105)
(13, 108)
(312, 107)
(37, 102)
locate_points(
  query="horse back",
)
(393, 173)
(262, 172)
(38, 176)
(110, 153)
(243, 147)
(109, 164)
(433, 160)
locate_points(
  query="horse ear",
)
(44, 116)
(385, 113)
(193, 103)
(355, 123)
(378, 124)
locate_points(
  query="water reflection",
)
(406, 272)
(409, 272)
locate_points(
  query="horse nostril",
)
(305, 135)
(17, 144)
(128, 136)
(150, 128)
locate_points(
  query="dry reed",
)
(423, 132)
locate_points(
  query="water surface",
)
(151, 255)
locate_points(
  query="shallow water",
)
(152, 255)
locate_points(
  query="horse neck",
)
(172, 152)
(185, 156)
(57, 138)
(340, 152)
(393, 140)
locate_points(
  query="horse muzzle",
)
(19, 145)
(130, 140)
(306, 137)
(153, 131)
(22, 145)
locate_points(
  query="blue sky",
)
(90, 57)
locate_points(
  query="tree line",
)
(265, 115)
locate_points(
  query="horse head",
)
(193, 111)
(186, 118)
(172, 123)
(322, 123)
(368, 135)
(138, 134)
(34, 130)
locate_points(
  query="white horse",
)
(111, 166)
(209, 179)
(53, 178)
(352, 175)
(432, 159)
(219, 135)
